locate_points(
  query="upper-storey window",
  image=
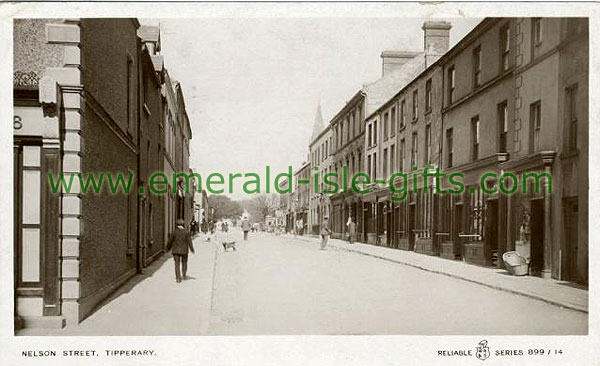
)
(451, 84)
(477, 67)
(428, 96)
(504, 47)
(402, 113)
(535, 126)
(415, 104)
(386, 120)
(393, 121)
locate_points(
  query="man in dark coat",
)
(179, 244)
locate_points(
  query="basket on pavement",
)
(515, 263)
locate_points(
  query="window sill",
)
(402, 128)
(428, 111)
(415, 120)
(147, 110)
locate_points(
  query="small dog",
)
(228, 244)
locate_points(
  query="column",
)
(68, 79)
(548, 159)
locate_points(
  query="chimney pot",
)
(436, 36)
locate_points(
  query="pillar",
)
(548, 159)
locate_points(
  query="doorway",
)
(411, 226)
(537, 237)
(458, 228)
(491, 232)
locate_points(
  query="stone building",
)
(84, 103)
(510, 97)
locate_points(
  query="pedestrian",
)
(180, 244)
(204, 227)
(325, 232)
(211, 226)
(245, 227)
(351, 230)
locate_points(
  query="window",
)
(415, 104)
(374, 165)
(427, 157)
(475, 138)
(413, 151)
(359, 117)
(535, 125)
(348, 129)
(502, 127)
(130, 96)
(401, 157)
(369, 136)
(451, 84)
(386, 121)
(402, 113)
(341, 134)
(571, 116)
(428, 96)
(504, 47)
(449, 147)
(385, 166)
(536, 29)
(477, 67)
(392, 159)
(375, 137)
(393, 122)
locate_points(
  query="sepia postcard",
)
(353, 183)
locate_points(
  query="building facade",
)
(77, 113)
(511, 97)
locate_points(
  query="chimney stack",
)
(436, 36)
(393, 60)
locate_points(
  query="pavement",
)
(152, 303)
(560, 293)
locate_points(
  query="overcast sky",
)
(252, 86)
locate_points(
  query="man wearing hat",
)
(325, 232)
(179, 244)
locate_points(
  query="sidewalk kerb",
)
(464, 278)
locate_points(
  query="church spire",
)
(318, 125)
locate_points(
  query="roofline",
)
(359, 93)
(466, 40)
(304, 166)
(328, 127)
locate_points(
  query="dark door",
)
(537, 236)
(491, 232)
(458, 229)
(571, 239)
(411, 227)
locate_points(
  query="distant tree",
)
(265, 204)
(224, 207)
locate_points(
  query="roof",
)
(384, 88)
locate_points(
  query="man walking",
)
(325, 232)
(245, 227)
(179, 244)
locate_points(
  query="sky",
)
(252, 85)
